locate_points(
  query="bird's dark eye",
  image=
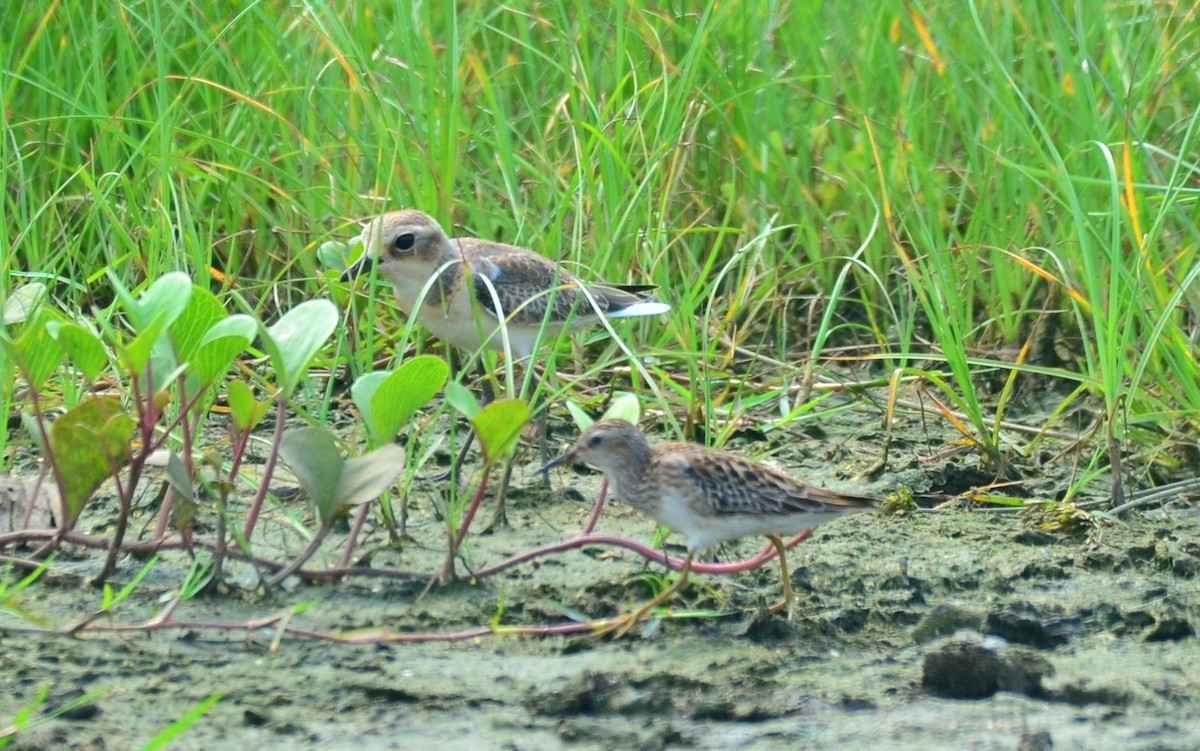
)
(595, 441)
(405, 241)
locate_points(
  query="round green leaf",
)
(244, 409)
(362, 392)
(294, 339)
(83, 346)
(35, 351)
(498, 426)
(404, 392)
(461, 399)
(202, 311)
(90, 443)
(22, 302)
(624, 407)
(365, 478)
(168, 296)
(313, 456)
(223, 341)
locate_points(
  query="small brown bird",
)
(530, 295)
(709, 496)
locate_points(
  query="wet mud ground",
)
(1073, 641)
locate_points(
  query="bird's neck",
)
(449, 277)
(625, 479)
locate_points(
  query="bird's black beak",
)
(567, 457)
(358, 268)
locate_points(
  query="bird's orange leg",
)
(786, 602)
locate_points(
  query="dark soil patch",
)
(1103, 625)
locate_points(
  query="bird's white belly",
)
(462, 324)
(704, 530)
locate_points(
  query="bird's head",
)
(402, 244)
(612, 446)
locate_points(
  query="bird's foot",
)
(619, 626)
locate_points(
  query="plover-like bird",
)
(708, 496)
(466, 289)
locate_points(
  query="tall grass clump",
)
(990, 206)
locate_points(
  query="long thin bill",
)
(555, 462)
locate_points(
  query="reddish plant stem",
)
(332, 575)
(151, 546)
(268, 470)
(472, 507)
(31, 503)
(148, 416)
(456, 540)
(218, 548)
(124, 508)
(164, 512)
(240, 441)
(591, 525)
(164, 509)
(295, 565)
(281, 621)
(67, 522)
(643, 550)
(360, 519)
(163, 621)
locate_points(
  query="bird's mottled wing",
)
(733, 485)
(528, 285)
